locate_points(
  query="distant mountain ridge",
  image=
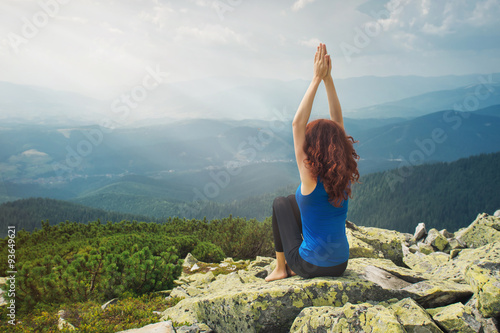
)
(190, 160)
(239, 98)
(445, 195)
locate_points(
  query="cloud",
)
(299, 4)
(210, 34)
(313, 42)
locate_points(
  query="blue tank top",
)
(323, 228)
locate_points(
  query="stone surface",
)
(189, 261)
(446, 233)
(242, 300)
(424, 263)
(455, 318)
(3, 280)
(437, 240)
(383, 278)
(195, 328)
(489, 325)
(62, 324)
(484, 230)
(432, 293)
(385, 243)
(161, 327)
(349, 318)
(425, 248)
(456, 268)
(413, 317)
(420, 231)
(497, 213)
(485, 281)
(456, 244)
(360, 249)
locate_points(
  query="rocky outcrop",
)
(392, 284)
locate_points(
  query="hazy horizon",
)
(102, 49)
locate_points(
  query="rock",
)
(349, 318)
(485, 281)
(179, 292)
(489, 325)
(251, 304)
(425, 248)
(446, 233)
(455, 318)
(484, 230)
(228, 302)
(195, 267)
(456, 244)
(350, 225)
(424, 263)
(195, 328)
(260, 262)
(161, 327)
(189, 261)
(108, 303)
(432, 293)
(420, 231)
(437, 240)
(414, 248)
(497, 213)
(454, 253)
(413, 317)
(3, 280)
(360, 249)
(456, 268)
(62, 324)
(385, 279)
(385, 243)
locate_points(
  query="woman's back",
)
(323, 228)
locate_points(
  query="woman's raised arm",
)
(333, 99)
(304, 111)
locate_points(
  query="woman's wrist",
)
(316, 79)
(328, 79)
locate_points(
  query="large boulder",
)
(413, 317)
(363, 317)
(383, 243)
(420, 231)
(437, 240)
(484, 230)
(386, 287)
(485, 281)
(456, 318)
(455, 269)
(245, 301)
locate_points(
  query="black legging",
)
(287, 231)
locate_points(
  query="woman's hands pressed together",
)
(322, 63)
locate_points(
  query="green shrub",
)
(208, 252)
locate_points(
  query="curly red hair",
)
(331, 156)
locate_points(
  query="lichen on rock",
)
(386, 288)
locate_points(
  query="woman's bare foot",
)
(289, 271)
(277, 274)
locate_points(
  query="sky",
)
(102, 47)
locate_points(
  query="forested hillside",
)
(28, 214)
(444, 195)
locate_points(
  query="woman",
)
(309, 227)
